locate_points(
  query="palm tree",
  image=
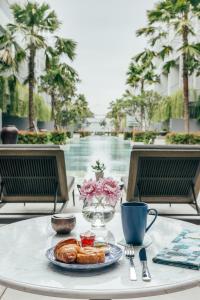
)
(76, 112)
(116, 113)
(82, 109)
(56, 72)
(11, 56)
(60, 83)
(175, 16)
(142, 73)
(31, 22)
(141, 70)
(134, 106)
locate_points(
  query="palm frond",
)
(168, 65)
(166, 50)
(66, 46)
(146, 31)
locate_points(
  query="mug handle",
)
(156, 214)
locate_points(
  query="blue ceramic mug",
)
(134, 221)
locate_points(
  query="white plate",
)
(112, 257)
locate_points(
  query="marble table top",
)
(23, 265)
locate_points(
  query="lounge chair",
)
(34, 174)
(164, 174)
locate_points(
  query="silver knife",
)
(146, 276)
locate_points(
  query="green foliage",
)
(98, 167)
(68, 134)
(2, 93)
(116, 114)
(169, 107)
(42, 109)
(55, 137)
(141, 70)
(183, 138)
(14, 100)
(128, 135)
(58, 137)
(175, 18)
(146, 137)
(26, 137)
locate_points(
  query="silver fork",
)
(130, 254)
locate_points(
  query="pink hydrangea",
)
(106, 188)
(110, 189)
(89, 189)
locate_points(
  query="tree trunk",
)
(185, 79)
(53, 105)
(142, 111)
(31, 82)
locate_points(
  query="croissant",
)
(66, 250)
(67, 254)
(62, 243)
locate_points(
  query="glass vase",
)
(98, 212)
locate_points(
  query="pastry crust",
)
(69, 251)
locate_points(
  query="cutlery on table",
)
(146, 276)
(130, 254)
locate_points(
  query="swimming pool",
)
(114, 152)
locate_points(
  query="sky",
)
(105, 34)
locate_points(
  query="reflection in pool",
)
(114, 152)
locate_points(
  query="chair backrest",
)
(32, 173)
(164, 173)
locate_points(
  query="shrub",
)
(144, 136)
(100, 133)
(68, 134)
(183, 138)
(114, 133)
(55, 137)
(128, 135)
(84, 133)
(58, 137)
(29, 137)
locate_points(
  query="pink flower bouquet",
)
(106, 188)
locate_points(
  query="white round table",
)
(23, 265)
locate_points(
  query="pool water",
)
(114, 152)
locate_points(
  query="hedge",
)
(58, 137)
(26, 137)
(183, 138)
(55, 137)
(84, 133)
(144, 136)
(114, 133)
(128, 135)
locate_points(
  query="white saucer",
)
(146, 243)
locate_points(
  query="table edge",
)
(99, 294)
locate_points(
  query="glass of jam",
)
(87, 239)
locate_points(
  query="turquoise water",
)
(114, 152)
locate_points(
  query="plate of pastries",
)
(70, 254)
